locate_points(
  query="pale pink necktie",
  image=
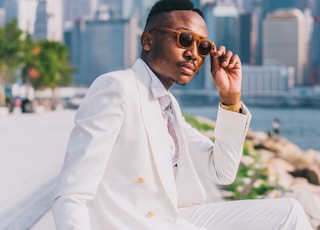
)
(170, 123)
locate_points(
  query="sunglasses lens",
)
(186, 39)
(205, 47)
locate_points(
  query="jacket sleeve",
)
(218, 162)
(97, 125)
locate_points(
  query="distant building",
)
(119, 9)
(22, 10)
(248, 38)
(76, 9)
(226, 29)
(271, 5)
(267, 80)
(257, 25)
(314, 53)
(49, 20)
(40, 18)
(210, 21)
(123, 9)
(144, 7)
(99, 46)
(245, 6)
(251, 20)
(284, 41)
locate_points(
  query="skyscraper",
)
(271, 5)
(226, 29)
(258, 21)
(99, 46)
(210, 21)
(248, 34)
(284, 41)
(315, 45)
(22, 10)
(48, 24)
(75, 9)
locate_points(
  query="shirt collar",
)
(157, 88)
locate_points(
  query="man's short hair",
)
(166, 6)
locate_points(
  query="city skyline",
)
(96, 29)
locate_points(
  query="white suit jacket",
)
(118, 173)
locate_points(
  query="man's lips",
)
(187, 68)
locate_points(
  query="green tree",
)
(47, 65)
(11, 55)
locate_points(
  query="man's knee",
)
(297, 218)
(292, 203)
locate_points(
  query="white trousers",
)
(265, 214)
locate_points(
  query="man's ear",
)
(146, 41)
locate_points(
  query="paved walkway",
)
(32, 148)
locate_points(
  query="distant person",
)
(133, 163)
(276, 127)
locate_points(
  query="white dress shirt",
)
(161, 93)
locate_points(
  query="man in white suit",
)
(133, 163)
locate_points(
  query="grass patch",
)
(195, 123)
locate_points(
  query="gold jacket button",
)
(150, 214)
(141, 180)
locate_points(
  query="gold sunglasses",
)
(185, 39)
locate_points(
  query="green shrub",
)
(195, 123)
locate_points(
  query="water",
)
(299, 125)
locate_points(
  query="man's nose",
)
(192, 51)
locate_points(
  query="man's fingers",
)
(226, 59)
(221, 50)
(234, 61)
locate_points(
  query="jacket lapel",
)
(153, 120)
(196, 193)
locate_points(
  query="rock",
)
(280, 165)
(312, 174)
(292, 153)
(277, 170)
(308, 196)
(267, 145)
(247, 160)
(250, 135)
(314, 156)
(257, 136)
(266, 155)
